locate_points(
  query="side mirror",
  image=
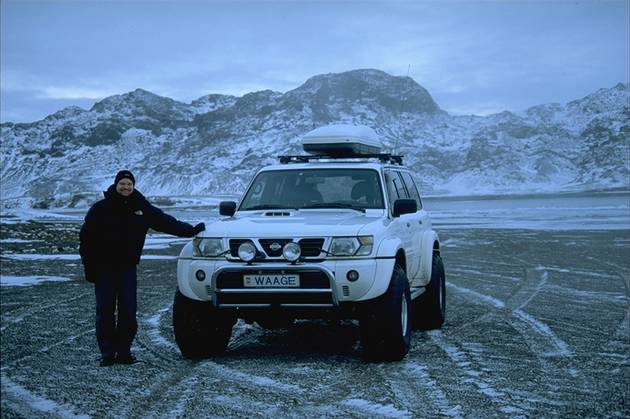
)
(227, 208)
(404, 206)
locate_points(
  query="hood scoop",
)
(278, 214)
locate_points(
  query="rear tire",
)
(386, 322)
(429, 310)
(200, 330)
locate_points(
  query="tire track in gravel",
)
(621, 272)
(165, 349)
(542, 339)
(412, 381)
(173, 393)
(154, 396)
(477, 377)
(67, 340)
(208, 382)
(553, 354)
(33, 310)
(27, 404)
(153, 343)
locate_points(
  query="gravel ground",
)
(537, 326)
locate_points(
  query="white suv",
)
(338, 233)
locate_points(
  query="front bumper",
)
(322, 285)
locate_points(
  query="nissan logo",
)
(275, 246)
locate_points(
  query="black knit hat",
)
(124, 174)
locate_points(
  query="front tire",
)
(200, 330)
(430, 308)
(386, 323)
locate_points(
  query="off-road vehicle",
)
(336, 233)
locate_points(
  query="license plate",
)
(271, 281)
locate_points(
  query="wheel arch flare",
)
(430, 244)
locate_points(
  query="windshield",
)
(357, 189)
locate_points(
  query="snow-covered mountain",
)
(214, 144)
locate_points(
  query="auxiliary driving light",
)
(352, 275)
(291, 251)
(247, 252)
(200, 275)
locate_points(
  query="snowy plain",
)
(537, 326)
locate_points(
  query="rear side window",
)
(410, 185)
(395, 187)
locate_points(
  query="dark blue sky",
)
(474, 57)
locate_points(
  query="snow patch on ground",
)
(154, 329)
(36, 402)
(372, 408)
(478, 296)
(23, 281)
(23, 215)
(156, 242)
(19, 241)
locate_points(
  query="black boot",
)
(126, 359)
(107, 361)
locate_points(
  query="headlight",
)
(247, 251)
(207, 247)
(351, 246)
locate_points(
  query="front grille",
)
(311, 247)
(266, 245)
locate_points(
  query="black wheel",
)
(429, 310)
(200, 329)
(386, 322)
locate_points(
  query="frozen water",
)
(585, 212)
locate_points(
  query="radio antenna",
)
(400, 111)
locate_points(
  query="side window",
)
(411, 188)
(395, 187)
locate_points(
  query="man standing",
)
(112, 238)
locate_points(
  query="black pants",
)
(116, 289)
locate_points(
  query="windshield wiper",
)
(267, 206)
(334, 205)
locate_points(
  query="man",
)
(112, 238)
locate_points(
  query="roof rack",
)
(383, 157)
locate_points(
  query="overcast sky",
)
(474, 57)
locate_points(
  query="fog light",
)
(291, 251)
(200, 275)
(352, 275)
(247, 252)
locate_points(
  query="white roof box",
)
(342, 139)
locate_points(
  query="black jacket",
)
(115, 228)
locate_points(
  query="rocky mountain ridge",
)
(214, 144)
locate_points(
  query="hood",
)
(291, 223)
